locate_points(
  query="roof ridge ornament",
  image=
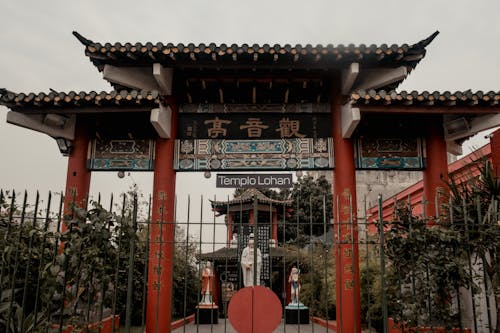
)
(6, 94)
(82, 39)
(425, 42)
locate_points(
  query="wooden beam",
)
(36, 122)
(164, 78)
(376, 78)
(349, 75)
(452, 147)
(455, 126)
(220, 75)
(139, 78)
(350, 120)
(221, 96)
(265, 65)
(161, 119)
(475, 125)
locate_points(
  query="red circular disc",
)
(255, 309)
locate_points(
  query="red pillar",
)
(436, 170)
(78, 175)
(161, 248)
(229, 228)
(495, 151)
(250, 217)
(274, 227)
(345, 225)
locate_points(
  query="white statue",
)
(247, 264)
(234, 242)
(293, 279)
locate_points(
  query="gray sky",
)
(38, 52)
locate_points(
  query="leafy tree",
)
(77, 282)
(185, 275)
(184, 270)
(370, 273)
(425, 270)
(77, 275)
(312, 206)
(317, 271)
(429, 263)
(474, 212)
(128, 232)
(24, 247)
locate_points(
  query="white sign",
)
(269, 180)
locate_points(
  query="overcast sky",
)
(38, 52)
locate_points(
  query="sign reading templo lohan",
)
(279, 180)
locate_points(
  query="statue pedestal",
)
(206, 314)
(296, 314)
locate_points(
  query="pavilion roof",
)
(232, 254)
(459, 102)
(258, 74)
(76, 102)
(253, 56)
(91, 102)
(248, 196)
(436, 99)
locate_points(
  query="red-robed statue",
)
(207, 284)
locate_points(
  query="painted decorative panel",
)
(389, 153)
(278, 154)
(122, 154)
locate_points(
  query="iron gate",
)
(88, 270)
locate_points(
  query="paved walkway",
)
(224, 326)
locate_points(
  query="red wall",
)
(458, 169)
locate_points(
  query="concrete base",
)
(206, 314)
(296, 314)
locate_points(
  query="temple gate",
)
(202, 108)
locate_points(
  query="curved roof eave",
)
(254, 56)
(436, 99)
(60, 101)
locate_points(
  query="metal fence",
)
(88, 271)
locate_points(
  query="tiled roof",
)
(223, 253)
(75, 100)
(244, 74)
(212, 55)
(72, 99)
(247, 196)
(232, 254)
(414, 98)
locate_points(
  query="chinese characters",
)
(289, 128)
(217, 128)
(254, 127)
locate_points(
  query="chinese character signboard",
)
(254, 126)
(254, 137)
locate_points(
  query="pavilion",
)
(241, 222)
